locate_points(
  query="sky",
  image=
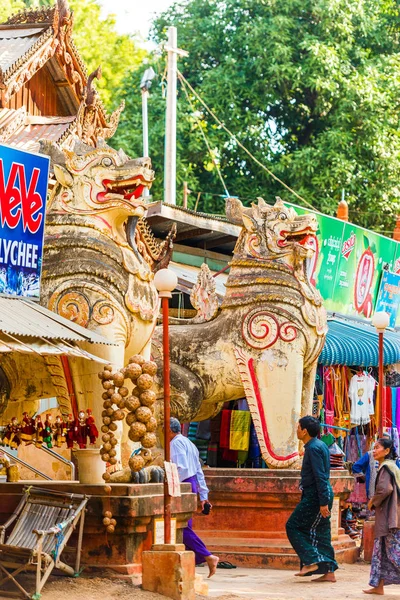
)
(134, 15)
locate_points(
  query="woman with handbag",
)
(385, 564)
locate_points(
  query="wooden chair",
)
(45, 521)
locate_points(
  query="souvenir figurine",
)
(48, 431)
(81, 430)
(12, 437)
(59, 431)
(92, 430)
(70, 431)
(38, 435)
(28, 428)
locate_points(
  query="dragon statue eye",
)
(107, 162)
(282, 216)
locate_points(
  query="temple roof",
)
(38, 61)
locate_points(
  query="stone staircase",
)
(252, 549)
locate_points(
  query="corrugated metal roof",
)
(20, 317)
(44, 348)
(20, 130)
(356, 344)
(15, 43)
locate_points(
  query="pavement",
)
(271, 584)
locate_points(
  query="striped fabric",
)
(353, 343)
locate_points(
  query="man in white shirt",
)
(186, 457)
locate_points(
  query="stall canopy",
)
(25, 326)
(350, 342)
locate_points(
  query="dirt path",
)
(235, 584)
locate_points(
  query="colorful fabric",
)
(239, 430)
(385, 563)
(224, 435)
(190, 538)
(310, 533)
(394, 406)
(387, 402)
(361, 392)
(212, 455)
(254, 446)
(398, 408)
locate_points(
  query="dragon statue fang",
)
(265, 341)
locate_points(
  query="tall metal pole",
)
(145, 126)
(167, 414)
(170, 118)
(381, 400)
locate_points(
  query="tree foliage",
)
(310, 87)
(97, 41)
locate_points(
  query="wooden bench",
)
(43, 523)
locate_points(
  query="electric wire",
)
(205, 139)
(184, 82)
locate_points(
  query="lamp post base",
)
(169, 570)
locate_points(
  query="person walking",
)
(369, 467)
(385, 563)
(186, 457)
(309, 527)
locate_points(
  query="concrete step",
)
(263, 546)
(200, 586)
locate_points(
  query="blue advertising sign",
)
(23, 191)
(388, 299)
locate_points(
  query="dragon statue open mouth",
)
(125, 188)
(301, 237)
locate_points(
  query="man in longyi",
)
(309, 527)
(186, 457)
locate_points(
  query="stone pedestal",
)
(169, 570)
(135, 507)
(250, 508)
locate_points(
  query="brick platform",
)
(133, 506)
(250, 510)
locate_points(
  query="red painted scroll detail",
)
(261, 330)
(262, 416)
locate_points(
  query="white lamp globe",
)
(380, 320)
(165, 280)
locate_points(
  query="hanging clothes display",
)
(361, 394)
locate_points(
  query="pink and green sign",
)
(348, 265)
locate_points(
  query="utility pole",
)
(170, 118)
(145, 84)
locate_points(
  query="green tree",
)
(310, 87)
(97, 41)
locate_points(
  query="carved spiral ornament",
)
(73, 306)
(261, 329)
(103, 312)
(288, 332)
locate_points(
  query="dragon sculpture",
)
(264, 342)
(100, 255)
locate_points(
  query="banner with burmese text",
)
(23, 191)
(348, 265)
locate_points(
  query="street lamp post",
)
(380, 321)
(145, 85)
(166, 281)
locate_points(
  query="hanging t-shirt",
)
(361, 394)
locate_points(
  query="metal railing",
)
(25, 464)
(62, 459)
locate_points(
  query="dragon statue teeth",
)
(264, 342)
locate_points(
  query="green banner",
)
(348, 264)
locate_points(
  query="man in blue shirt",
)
(309, 527)
(186, 457)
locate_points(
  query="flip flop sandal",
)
(224, 564)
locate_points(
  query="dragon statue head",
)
(272, 230)
(98, 182)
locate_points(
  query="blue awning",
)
(353, 343)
